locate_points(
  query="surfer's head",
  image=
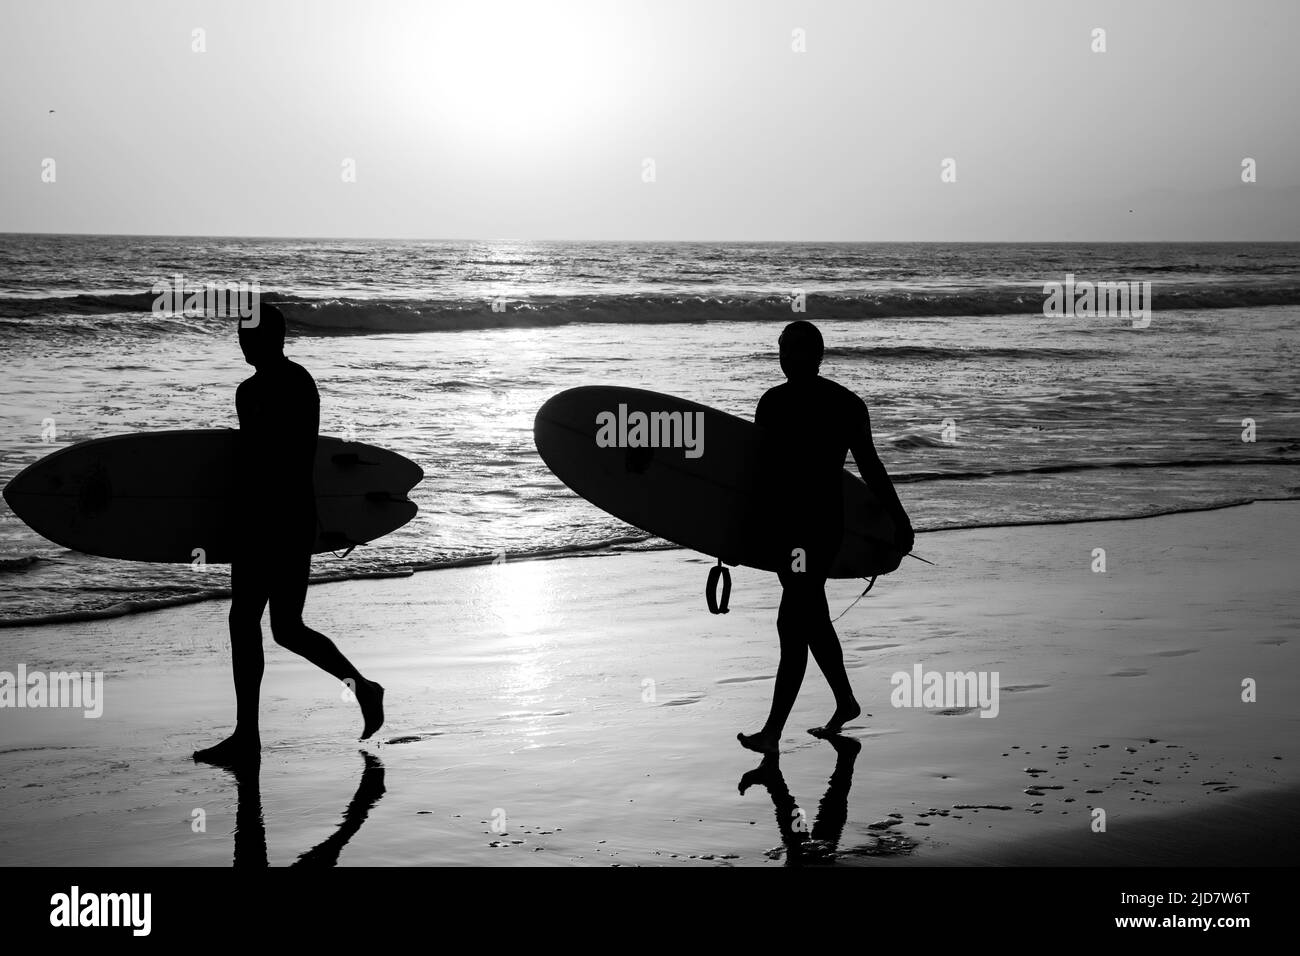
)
(263, 342)
(801, 350)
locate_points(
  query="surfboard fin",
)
(333, 540)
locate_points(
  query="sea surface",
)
(985, 411)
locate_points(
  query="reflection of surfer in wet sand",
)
(279, 416)
(802, 844)
(812, 423)
(250, 826)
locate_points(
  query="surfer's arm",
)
(311, 417)
(306, 424)
(241, 439)
(241, 400)
(877, 478)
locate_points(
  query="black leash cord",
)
(870, 585)
(711, 590)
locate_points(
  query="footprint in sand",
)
(743, 680)
(683, 701)
(1177, 653)
(1021, 688)
(954, 711)
(1128, 672)
(875, 647)
(414, 738)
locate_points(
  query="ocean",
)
(985, 411)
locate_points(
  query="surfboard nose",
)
(19, 486)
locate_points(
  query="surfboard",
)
(709, 502)
(170, 496)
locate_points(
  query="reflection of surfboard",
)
(159, 496)
(711, 503)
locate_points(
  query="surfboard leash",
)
(870, 584)
(718, 572)
(711, 589)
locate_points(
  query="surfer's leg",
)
(792, 621)
(248, 596)
(288, 597)
(825, 646)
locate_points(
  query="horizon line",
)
(823, 242)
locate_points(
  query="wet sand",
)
(583, 711)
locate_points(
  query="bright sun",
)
(500, 71)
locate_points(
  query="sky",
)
(652, 119)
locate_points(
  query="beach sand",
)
(588, 707)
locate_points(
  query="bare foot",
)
(371, 698)
(236, 750)
(838, 719)
(761, 742)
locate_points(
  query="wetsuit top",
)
(279, 415)
(809, 425)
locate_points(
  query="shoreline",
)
(611, 546)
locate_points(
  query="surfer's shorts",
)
(275, 576)
(276, 550)
(808, 562)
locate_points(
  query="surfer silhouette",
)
(279, 416)
(811, 423)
